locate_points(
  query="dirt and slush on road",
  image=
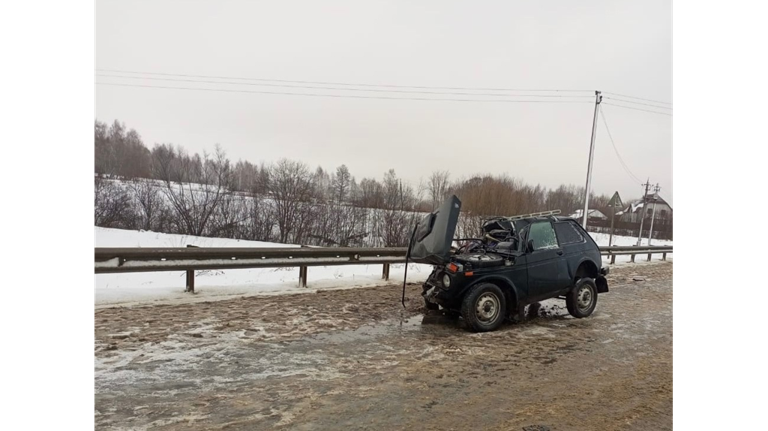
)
(355, 359)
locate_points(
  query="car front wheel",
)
(484, 307)
(582, 299)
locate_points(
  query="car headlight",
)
(446, 280)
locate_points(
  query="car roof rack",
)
(551, 213)
(532, 215)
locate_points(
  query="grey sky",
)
(615, 46)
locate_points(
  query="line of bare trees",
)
(166, 189)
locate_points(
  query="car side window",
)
(568, 234)
(543, 235)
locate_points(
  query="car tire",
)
(582, 299)
(484, 307)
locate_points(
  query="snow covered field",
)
(162, 287)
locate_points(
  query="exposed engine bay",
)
(496, 247)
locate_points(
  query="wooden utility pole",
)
(653, 214)
(642, 212)
(598, 99)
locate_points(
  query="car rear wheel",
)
(582, 299)
(484, 307)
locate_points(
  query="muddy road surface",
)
(354, 359)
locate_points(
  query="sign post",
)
(613, 204)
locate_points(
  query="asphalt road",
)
(354, 359)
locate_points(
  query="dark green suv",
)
(517, 261)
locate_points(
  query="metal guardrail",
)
(619, 250)
(151, 259)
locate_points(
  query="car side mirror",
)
(529, 246)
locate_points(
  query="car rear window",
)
(567, 234)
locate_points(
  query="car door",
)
(547, 269)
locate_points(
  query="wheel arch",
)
(506, 285)
(586, 268)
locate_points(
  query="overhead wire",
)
(616, 150)
(343, 83)
(342, 96)
(636, 103)
(375, 90)
(638, 98)
(637, 109)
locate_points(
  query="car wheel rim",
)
(584, 298)
(488, 307)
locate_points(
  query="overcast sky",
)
(622, 47)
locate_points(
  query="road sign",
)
(615, 201)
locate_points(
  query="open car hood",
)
(431, 243)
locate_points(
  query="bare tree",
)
(112, 205)
(146, 194)
(397, 215)
(200, 185)
(341, 184)
(291, 189)
(437, 186)
(371, 194)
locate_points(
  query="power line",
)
(616, 150)
(337, 88)
(342, 96)
(343, 83)
(637, 103)
(639, 98)
(638, 109)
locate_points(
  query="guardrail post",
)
(663, 256)
(302, 276)
(385, 272)
(190, 281)
(633, 258)
(613, 258)
(649, 257)
(190, 276)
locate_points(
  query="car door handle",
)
(559, 252)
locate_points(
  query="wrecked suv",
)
(518, 261)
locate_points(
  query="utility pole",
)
(653, 215)
(598, 99)
(642, 212)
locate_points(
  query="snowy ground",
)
(164, 287)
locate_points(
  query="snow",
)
(168, 287)
(105, 237)
(163, 287)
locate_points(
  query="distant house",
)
(592, 214)
(637, 209)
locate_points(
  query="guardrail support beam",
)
(302, 276)
(613, 258)
(633, 258)
(649, 257)
(385, 272)
(663, 256)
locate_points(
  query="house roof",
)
(592, 213)
(638, 204)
